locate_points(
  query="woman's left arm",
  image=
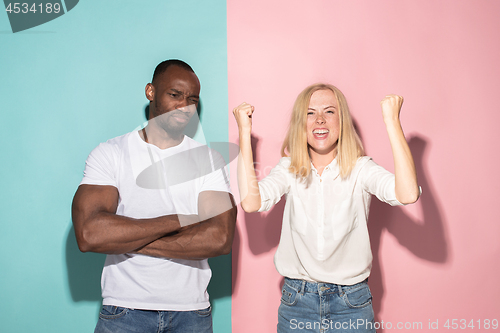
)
(407, 190)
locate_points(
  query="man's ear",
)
(150, 91)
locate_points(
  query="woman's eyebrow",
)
(326, 107)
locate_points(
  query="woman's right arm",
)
(247, 181)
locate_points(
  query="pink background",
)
(437, 259)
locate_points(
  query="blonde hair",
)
(349, 147)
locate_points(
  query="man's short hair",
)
(163, 66)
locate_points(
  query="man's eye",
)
(193, 100)
(174, 95)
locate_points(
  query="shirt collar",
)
(332, 167)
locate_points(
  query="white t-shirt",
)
(153, 182)
(324, 237)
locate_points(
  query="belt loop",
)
(303, 287)
(341, 292)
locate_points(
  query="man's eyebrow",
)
(182, 93)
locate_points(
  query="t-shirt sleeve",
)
(218, 179)
(379, 182)
(274, 185)
(100, 167)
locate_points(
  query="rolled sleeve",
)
(273, 186)
(379, 182)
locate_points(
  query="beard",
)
(174, 121)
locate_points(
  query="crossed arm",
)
(99, 229)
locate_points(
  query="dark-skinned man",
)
(158, 204)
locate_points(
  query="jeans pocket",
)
(112, 312)
(358, 297)
(288, 295)
(204, 312)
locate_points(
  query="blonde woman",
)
(324, 251)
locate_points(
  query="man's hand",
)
(210, 238)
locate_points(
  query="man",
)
(158, 204)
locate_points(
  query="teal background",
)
(66, 86)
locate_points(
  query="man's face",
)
(174, 96)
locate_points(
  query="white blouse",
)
(324, 237)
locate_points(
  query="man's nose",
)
(187, 108)
(182, 103)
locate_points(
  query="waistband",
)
(303, 286)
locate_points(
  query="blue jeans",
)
(113, 319)
(325, 307)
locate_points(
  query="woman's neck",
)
(321, 161)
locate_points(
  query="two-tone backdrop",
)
(78, 80)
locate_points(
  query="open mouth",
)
(320, 133)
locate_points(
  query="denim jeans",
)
(113, 319)
(325, 307)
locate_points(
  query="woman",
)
(324, 251)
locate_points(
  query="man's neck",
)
(160, 138)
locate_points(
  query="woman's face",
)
(322, 123)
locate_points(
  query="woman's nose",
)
(320, 119)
